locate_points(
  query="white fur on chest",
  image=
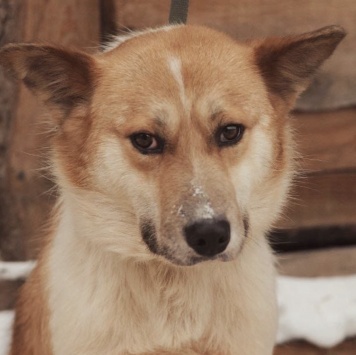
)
(102, 305)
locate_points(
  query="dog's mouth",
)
(149, 236)
(193, 260)
(203, 240)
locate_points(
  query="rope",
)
(179, 11)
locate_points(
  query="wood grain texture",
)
(293, 240)
(69, 23)
(10, 236)
(300, 348)
(326, 140)
(322, 200)
(8, 294)
(328, 262)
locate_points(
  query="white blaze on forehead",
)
(175, 65)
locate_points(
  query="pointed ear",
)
(288, 64)
(61, 78)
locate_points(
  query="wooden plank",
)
(322, 200)
(245, 18)
(327, 262)
(8, 294)
(10, 241)
(326, 140)
(293, 240)
(73, 23)
(348, 347)
(68, 23)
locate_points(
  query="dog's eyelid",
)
(147, 143)
(229, 134)
(224, 119)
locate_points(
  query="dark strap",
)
(179, 11)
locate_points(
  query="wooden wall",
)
(325, 193)
(26, 194)
(25, 191)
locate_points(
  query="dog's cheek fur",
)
(286, 66)
(128, 194)
(264, 173)
(72, 149)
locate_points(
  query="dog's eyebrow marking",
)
(158, 121)
(217, 115)
(175, 65)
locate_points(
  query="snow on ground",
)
(15, 270)
(6, 319)
(319, 310)
(11, 271)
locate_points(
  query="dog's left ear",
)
(61, 78)
(287, 64)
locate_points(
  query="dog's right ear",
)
(287, 64)
(61, 78)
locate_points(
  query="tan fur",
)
(31, 332)
(118, 277)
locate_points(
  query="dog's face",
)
(182, 131)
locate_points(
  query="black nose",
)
(208, 237)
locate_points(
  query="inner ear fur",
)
(60, 77)
(288, 63)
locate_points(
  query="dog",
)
(173, 153)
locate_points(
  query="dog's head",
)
(179, 137)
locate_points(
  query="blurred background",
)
(317, 234)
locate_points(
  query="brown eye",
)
(229, 134)
(147, 143)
